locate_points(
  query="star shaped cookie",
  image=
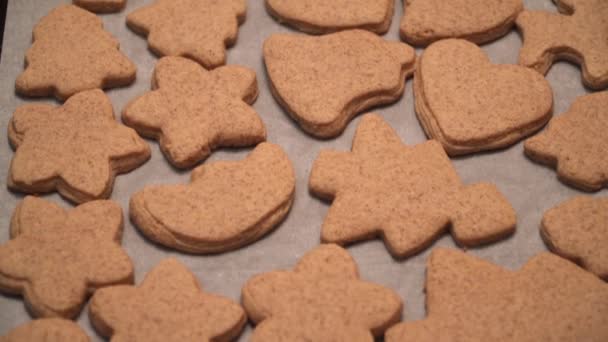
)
(192, 111)
(101, 6)
(169, 305)
(322, 299)
(197, 29)
(469, 299)
(47, 330)
(578, 34)
(57, 257)
(406, 195)
(75, 149)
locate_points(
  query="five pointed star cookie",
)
(408, 195)
(469, 299)
(578, 34)
(322, 299)
(169, 305)
(47, 330)
(75, 149)
(192, 110)
(197, 29)
(57, 257)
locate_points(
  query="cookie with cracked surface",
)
(47, 330)
(102, 6)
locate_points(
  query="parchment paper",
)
(531, 188)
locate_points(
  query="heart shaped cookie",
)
(469, 104)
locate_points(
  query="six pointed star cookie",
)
(75, 149)
(469, 299)
(407, 195)
(57, 257)
(47, 330)
(169, 305)
(322, 299)
(579, 34)
(192, 110)
(197, 29)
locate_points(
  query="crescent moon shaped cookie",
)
(322, 16)
(470, 299)
(322, 299)
(101, 6)
(322, 82)
(71, 53)
(225, 206)
(47, 330)
(407, 195)
(469, 104)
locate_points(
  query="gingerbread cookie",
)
(479, 21)
(575, 143)
(72, 53)
(407, 195)
(321, 16)
(197, 29)
(75, 149)
(101, 6)
(579, 34)
(322, 82)
(57, 257)
(47, 330)
(469, 299)
(227, 204)
(322, 299)
(169, 305)
(578, 230)
(192, 111)
(469, 104)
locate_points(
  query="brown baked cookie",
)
(192, 111)
(322, 299)
(579, 35)
(322, 16)
(169, 305)
(479, 21)
(322, 82)
(47, 330)
(55, 258)
(197, 29)
(469, 104)
(407, 195)
(575, 143)
(101, 6)
(578, 230)
(470, 299)
(72, 52)
(227, 204)
(75, 149)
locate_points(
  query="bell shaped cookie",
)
(47, 330)
(192, 111)
(407, 195)
(101, 6)
(169, 305)
(226, 205)
(469, 104)
(75, 149)
(56, 258)
(322, 299)
(71, 53)
(322, 82)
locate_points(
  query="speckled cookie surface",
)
(169, 305)
(469, 104)
(72, 52)
(101, 6)
(75, 149)
(578, 230)
(480, 21)
(407, 195)
(578, 34)
(192, 111)
(470, 299)
(197, 29)
(322, 82)
(321, 16)
(575, 143)
(322, 299)
(46, 330)
(226, 205)
(57, 257)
